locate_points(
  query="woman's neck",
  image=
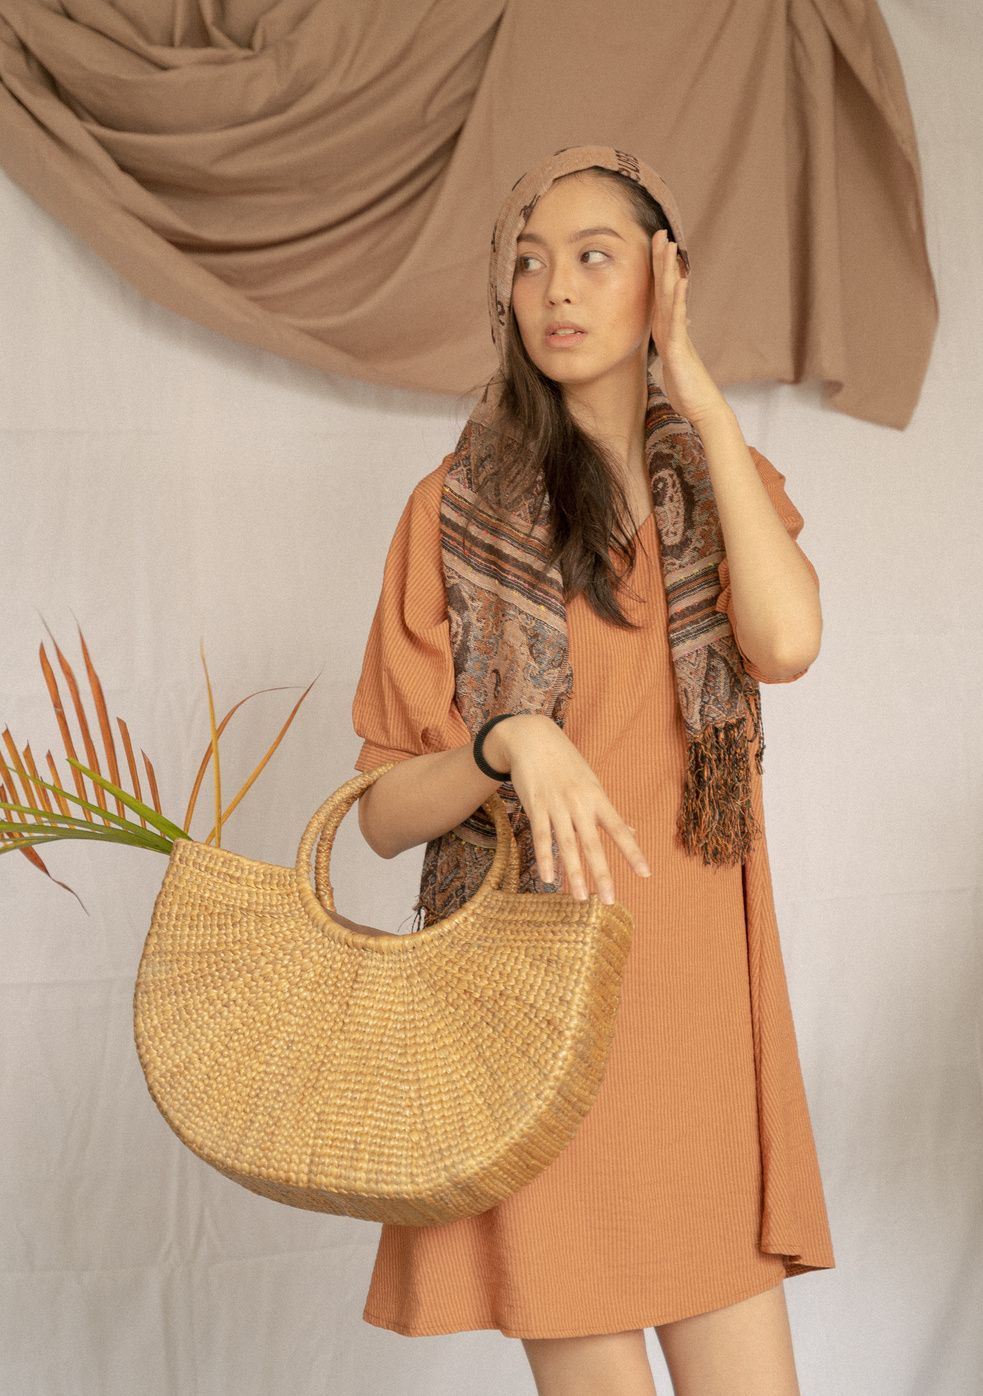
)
(612, 410)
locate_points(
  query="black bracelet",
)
(479, 742)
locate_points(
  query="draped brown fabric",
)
(320, 177)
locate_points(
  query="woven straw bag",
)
(411, 1078)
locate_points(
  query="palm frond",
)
(105, 728)
(131, 762)
(83, 721)
(35, 859)
(152, 816)
(148, 766)
(33, 817)
(96, 832)
(208, 750)
(215, 765)
(63, 727)
(249, 783)
(60, 800)
(35, 778)
(35, 811)
(11, 776)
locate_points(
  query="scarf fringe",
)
(717, 819)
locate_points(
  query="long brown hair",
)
(543, 455)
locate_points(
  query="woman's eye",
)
(595, 253)
(528, 263)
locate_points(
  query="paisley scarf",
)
(508, 617)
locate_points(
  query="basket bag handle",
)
(503, 875)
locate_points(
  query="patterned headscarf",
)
(508, 617)
(525, 196)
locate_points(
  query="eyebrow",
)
(574, 237)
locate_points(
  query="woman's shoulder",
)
(427, 492)
(424, 501)
(415, 546)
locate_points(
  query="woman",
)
(532, 580)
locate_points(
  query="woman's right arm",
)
(425, 796)
(405, 703)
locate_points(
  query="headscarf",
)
(526, 194)
(507, 612)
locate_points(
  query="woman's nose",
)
(560, 289)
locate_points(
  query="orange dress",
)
(692, 1182)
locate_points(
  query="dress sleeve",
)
(774, 483)
(404, 705)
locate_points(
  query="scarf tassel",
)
(717, 820)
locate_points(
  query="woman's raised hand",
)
(685, 379)
(562, 795)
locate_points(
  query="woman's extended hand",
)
(562, 795)
(687, 384)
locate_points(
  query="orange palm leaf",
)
(34, 857)
(152, 778)
(66, 735)
(208, 751)
(92, 760)
(56, 780)
(105, 728)
(245, 789)
(131, 762)
(14, 754)
(39, 789)
(11, 796)
(215, 765)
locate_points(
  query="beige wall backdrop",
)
(160, 485)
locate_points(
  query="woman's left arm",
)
(775, 601)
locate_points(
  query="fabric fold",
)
(316, 179)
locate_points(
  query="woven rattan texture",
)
(411, 1079)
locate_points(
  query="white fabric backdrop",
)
(161, 484)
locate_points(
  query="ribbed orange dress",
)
(692, 1182)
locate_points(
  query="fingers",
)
(569, 847)
(669, 309)
(591, 852)
(581, 850)
(544, 826)
(563, 798)
(680, 293)
(624, 840)
(542, 842)
(666, 257)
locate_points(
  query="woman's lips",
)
(565, 336)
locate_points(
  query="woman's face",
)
(582, 291)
